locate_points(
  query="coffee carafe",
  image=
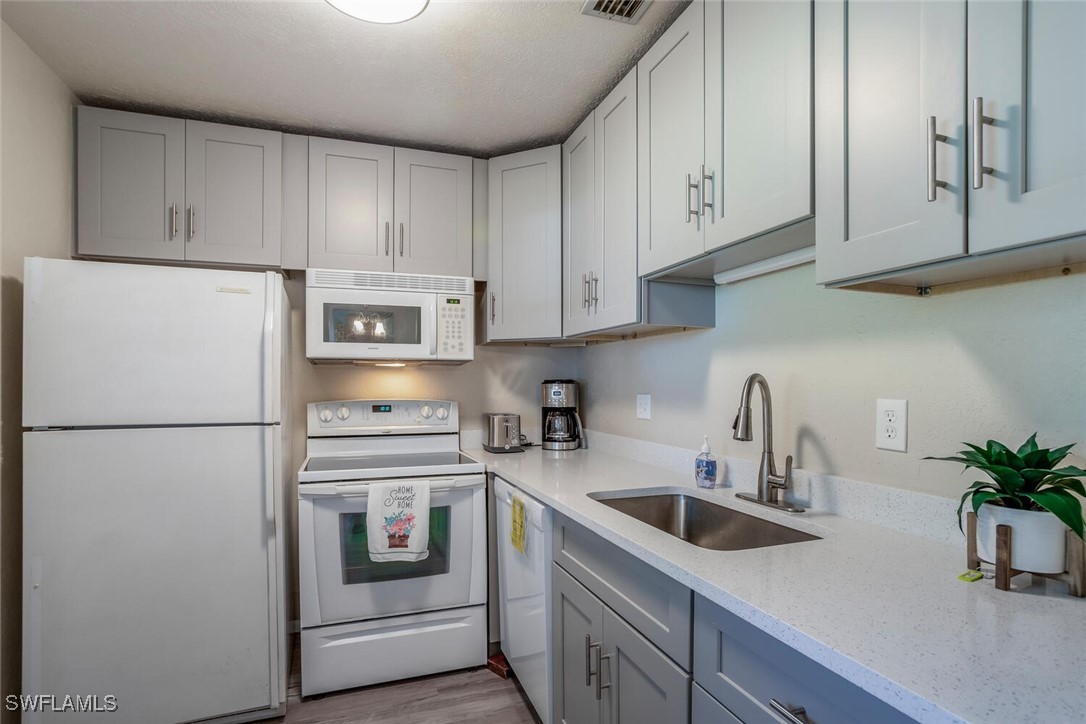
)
(561, 420)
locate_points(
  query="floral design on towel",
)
(398, 528)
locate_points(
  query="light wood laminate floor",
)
(459, 697)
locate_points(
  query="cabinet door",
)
(578, 227)
(644, 685)
(130, 184)
(671, 143)
(871, 137)
(433, 213)
(233, 194)
(350, 205)
(758, 117)
(1027, 64)
(614, 259)
(524, 282)
(577, 625)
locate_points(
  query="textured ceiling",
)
(477, 77)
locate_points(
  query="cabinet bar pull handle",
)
(707, 179)
(386, 238)
(979, 122)
(691, 212)
(173, 221)
(588, 646)
(493, 307)
(933, 137)
(595, 290)
(401, 238)
(600, 658)
(792, 715)
(192, 221)
(584, 288)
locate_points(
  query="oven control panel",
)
(382, 417)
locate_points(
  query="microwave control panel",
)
(455, 327)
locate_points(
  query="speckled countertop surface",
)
(881, 608)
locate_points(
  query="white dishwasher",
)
(524, 594)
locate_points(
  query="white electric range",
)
(365, 622)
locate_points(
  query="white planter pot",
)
(1038, 538)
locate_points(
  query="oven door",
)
(340, 583)
(370, 325)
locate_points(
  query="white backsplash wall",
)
(999, 362)
(38, 143)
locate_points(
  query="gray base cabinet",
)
(755, 677)
(605, 671)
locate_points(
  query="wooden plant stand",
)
(1074, 576)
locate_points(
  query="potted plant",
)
(398, 528)
(1027, 492)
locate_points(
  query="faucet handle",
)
(783, 481)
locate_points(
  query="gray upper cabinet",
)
(977, 146)
(1027, 72)
(724, 124)
(350, 205)
(433, 212)
(671, 143)
(599, 167)
(524, 246)
(130, 184)
(643, 685)
(164, 188)
(233, 194)
(615, 284)
(879, 203)
(758, 119)
(578, 227)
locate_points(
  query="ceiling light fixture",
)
(380, 11)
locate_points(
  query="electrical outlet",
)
(891, 424)
(644, 407)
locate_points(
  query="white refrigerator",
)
(155, 401)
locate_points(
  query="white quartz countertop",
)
(881, 608)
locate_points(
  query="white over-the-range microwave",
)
(388, 318)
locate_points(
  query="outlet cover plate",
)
(644, 407)
(891, 424)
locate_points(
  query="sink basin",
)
(705, 524)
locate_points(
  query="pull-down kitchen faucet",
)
(769, 483)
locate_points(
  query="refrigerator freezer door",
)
(125, 344)
(150, 570)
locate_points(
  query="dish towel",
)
(398, 521)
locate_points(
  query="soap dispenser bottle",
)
(705, 467)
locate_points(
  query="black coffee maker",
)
(562, 428)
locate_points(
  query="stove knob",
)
(326, 416)
(442, 413)
(426, 411)
(343, 413)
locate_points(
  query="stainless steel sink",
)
(705, 524)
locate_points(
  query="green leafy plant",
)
(1026, 479)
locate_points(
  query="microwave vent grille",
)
(389, 282)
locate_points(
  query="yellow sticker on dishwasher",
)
(516, 532)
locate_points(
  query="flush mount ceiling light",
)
(380, 11)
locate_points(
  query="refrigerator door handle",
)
(271, 334)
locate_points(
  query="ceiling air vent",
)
(624, 11)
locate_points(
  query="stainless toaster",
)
(501, 432)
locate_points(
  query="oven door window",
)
(372, 324)
(358, 568)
